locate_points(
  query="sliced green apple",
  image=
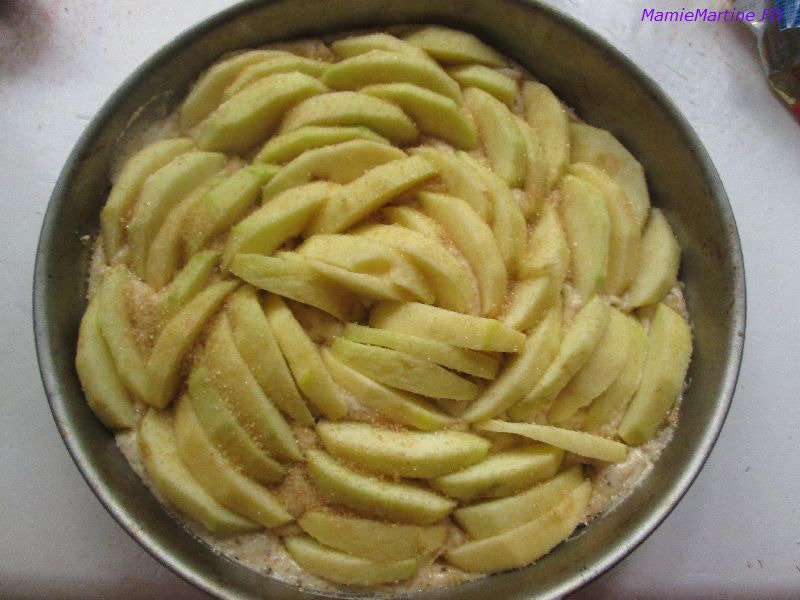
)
(459, 179)
(416, 454)
(251, 115)
(434, 114)
(297, 280)
(380, 66)
(588, 228)
(302, 355)
(271, 66)
(351, 109)
(664, 371)
(577, 345)
(339, 163)
(373, 496)
(530, 300)
(499, 135)
(161, 192)
(545, 113)
(226, 434)
(230, 488)
(452, 46)
(105, 392)
(129, 183)
(501, 474)
(603, 150)
(224, 204)
(522, 545)
(344, 568)
(173, 480)
(259, 349)
(369, 192)
(460, 359)
(492, 517)
(245, 398)
(535, 184)
(288, 146)
(577, 442)
(361, 44)
(398, 406)
(189, 282)
(659, 259)
(403, 371)
(487, 79)
(475, 241)
(521, 374)
(278, 220)
(376, 540)
(548, 249)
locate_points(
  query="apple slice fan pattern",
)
(387, 299)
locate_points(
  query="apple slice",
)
(668, 355)
(192, 279)
(129, 183)
(459, 179)
(535, 185)
(207, 93)
(271, 66)
(521, 374)
(434, 114)
(603, 150)
(288, 146)
(492, 517)
(350, 109)
(530, 300)
(339, 163)
(278, 220)
(623, 250)
(459, 359)
(577, 442)
(499, 135)
(344, 568)
(464, 331)
(371, 495)
(400, 407)
(224, 204)
(659, 259)
(475, 241)
(219, 477)
(303, 358)
(403, 371)
(369, 192)
(548, 250)
(376, 540)
(170, 477)
(380, 66)
(363, 255)
(113, 319)
(588, 228)
(162, 192)
(452, 46)
(100, 379)
(545, 113)
(577, 345)
(297, 280)
(597, 373)
(361, 44)
(524, 544)
(508, 221)
(244, 397)
(226, 434)
(176, 338)
(452, 282)
(501, 474)
(487, 79)
(245, 119)
(605, 411)
(259, 350)
(417, 454)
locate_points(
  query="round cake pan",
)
(605, 89)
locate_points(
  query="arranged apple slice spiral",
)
(381, 308)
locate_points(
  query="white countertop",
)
(736, 534)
